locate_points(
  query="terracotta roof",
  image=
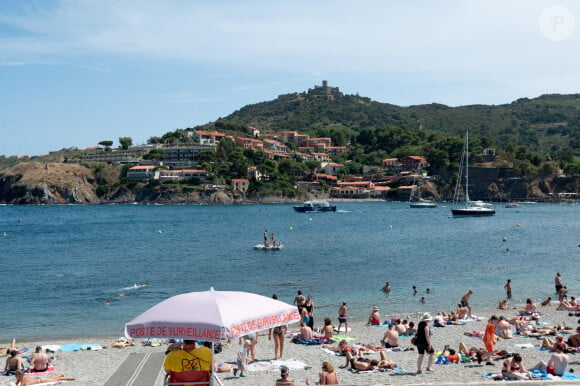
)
(142, 167)
(240, 180)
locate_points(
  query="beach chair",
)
(186, 378)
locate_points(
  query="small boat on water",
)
(262, 247)
(315, 206)
(469, 208)
(512, 205)
(418, 202)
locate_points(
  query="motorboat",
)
(315, 206)
(467, 207)
(512, 205)
(262, 247)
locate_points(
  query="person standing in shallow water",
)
(342, 318)
(508, 288)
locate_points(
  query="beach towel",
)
(570, 376)
(336, 353)
(70, 347)
(524, 345)
(51, 347)
(338, 338)
(50, 370)
(275, 365)
(383, 370)
(312, 342)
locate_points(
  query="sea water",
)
(73, 271)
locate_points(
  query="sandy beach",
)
(144, 363)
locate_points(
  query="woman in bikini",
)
(24, 380)
(328, 376)
(279, 333)
(328, 329)
(513, 368)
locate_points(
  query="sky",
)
(77, 72)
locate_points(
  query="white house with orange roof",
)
(240, 184)
(201, 137)
(142, 173)
(322, 157)
(389, 163)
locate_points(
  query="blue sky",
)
(73, 73)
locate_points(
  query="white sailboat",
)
(467, 207)
(419, 203)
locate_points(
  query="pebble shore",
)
(95, 367)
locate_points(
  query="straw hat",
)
(247, 342)
(375, 308)
(426, 316)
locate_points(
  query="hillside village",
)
(192, 161)
(179, 163)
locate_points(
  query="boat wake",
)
(136, 286)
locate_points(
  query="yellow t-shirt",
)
(181, 360)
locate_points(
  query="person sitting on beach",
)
(513, 368)
(25, 380)
(557, 363)
(39, 361)
(366, 364)
(547, 302)
(343, 347)
(328, 376)
(503, 328)
(13, 363)
(327, 331)
(574, 340)
(374, 317)
(305, 332)
(284, 379)
(529, 309)
(400, 327)
(411, 330)
(462, 312)
(503, 305)
(390, 338)
(188, 358)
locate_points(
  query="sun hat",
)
(247, 342)
(375, 308)
(426, 316)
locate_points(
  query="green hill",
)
(545, 124)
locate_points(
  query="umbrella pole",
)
(213, 370)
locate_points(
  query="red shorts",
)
(550, 370)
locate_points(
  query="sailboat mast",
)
(467, 166)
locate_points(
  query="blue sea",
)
(62, 264)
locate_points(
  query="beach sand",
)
(96, 367)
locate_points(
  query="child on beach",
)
(242, 359)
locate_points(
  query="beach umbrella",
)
(211, 315)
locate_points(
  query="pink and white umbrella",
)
(211, 315)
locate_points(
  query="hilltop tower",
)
(325, 91)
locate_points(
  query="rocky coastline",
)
(60, 183)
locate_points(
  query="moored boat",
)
(315, 206)
(468, 208)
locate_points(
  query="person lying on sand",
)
(366, 364)
(25, 380)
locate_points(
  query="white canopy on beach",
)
(211, 315)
